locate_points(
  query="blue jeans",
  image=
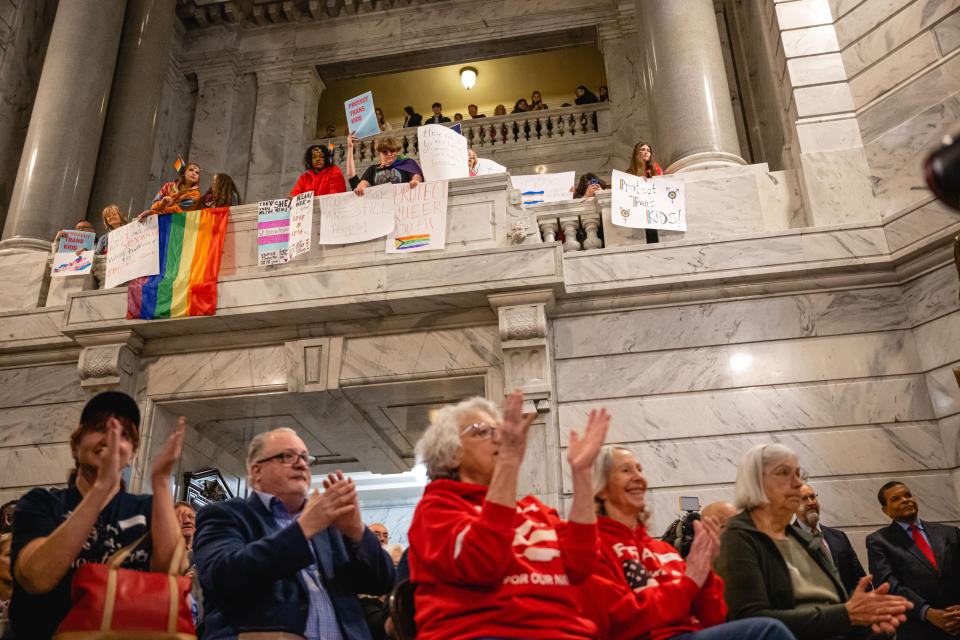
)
(746, 629)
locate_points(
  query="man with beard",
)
(834, 541)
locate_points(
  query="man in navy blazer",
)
(283, 562)
(837, 543)
(921, 561)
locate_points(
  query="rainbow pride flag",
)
(190, 247)
(411, 242)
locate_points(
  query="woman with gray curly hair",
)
(485, 564)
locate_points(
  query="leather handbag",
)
(110, 603)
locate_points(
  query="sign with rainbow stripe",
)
(421, 215)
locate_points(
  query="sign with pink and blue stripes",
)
(273, 231)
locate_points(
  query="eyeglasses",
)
(482, 429)
(291, 458)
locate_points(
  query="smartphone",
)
(594, 181)
(689, 503)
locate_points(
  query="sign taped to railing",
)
(654, 203)
(544, 187)
(443, 153)
(361, 117)
(134, 252)
(301, 224)
(273, 231)
(74, 253)
(347, 217)
(421, 215)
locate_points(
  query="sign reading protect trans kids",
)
(654, 203)
(361, 118)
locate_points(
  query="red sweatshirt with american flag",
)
(639, 589)
(483, 569)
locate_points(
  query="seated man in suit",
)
(834, 541)
(921, 561)
(283, 563)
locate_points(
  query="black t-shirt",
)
(375, 174)
(125, 518)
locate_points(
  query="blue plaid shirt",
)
(321, 616)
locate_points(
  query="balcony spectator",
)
(82, 225)
(536, 102)
(775, 570)
(322, 176)
(641, 587)
(500, 110)
(381, 532)
(472, 110)
(458, 117)
(178, 196)
(394, 167)
(521, 106)
(57, 530)
(585, 96)
(221, 193)
(411, 118)
(604, 93)
(485, 564)
(437, 117)
(331, 131)
(642, 163)
(384, 125)
(588, 186)
(472, 161)
(112, 219)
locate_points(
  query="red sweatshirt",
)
(483, 569)
(639, 589)
(329, 180)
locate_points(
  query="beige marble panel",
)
(932, 295)
(918, 225)
(830, 135)
(839, 187)
(816, 70)
(901, 65)
(38, 385)
(839, 8)
(823, 99)
(864, 18)
(781, 200)
(944, 391)
(35, 466)
(44, 424)
(22, 275)
(17, 327)
(950, 437)
(226, 369)
(728, 366)
(809, 41)
(948, 34)
(803, 13)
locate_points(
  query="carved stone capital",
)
(106, 365)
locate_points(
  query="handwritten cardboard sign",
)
(273, 231)
(74, 253)
(301, 224)
(421, 218)
(443, 153)
(654, 203)
(134, 252)
(347, 217)
(361, 117)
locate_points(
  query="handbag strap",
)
(120, 556)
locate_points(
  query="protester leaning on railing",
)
(394, 167)
(183, 194)
(322, 176)
(112, 219)
(222, 192)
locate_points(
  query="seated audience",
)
(322, 176)
(472, 110)
(178, 196)
(286, 560)
(642, 163)
(381, 532)
(500, 110)
(411, 118)
(588, 186)
(604, 94)
(775, 570)
(520, 106)
(721, 512)
(187, 519)
(394, 167)
(584, 96)
(57, 530)
(396, 552)
(330, 132)
(6, 516)
(221, 193)
(641, 587)
(458, 117)
(437, 117)
(485, 564)
(834, 541)
(536, 102)
(6, 581)
(112, 219)
(82, 225)
(384, 125)
(921, 562)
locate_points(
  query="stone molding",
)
(109, 362)
(525, 341)
(314, 364)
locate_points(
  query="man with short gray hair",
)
(282, 564)
(835, 542)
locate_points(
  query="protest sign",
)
(347, 217)
(273, 231)
(421, 218)
(655, 203)
(301, 224)
(486, 167)
(443, 153)
(544, 187)
(134, 252)
(66, 261)
(361, 118)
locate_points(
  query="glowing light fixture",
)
(468, 77)
(541, 169)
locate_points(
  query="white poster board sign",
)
(654, 203)
(134, 252)
(273, 231)
(544, 187)
(486, 167)
(74, 253)
(421, 218)
(443, 153)
(301, 224)
(347, 217)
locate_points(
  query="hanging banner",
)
(544, 187)
(273, 231)
(654, 203)
(301, 224)
(134, 252)
(443, 153)
(347, 217)
(361, 118)
(421, 218)
(74, 254)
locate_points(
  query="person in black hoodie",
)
(585, 96)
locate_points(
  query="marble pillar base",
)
(23, 243)
(705, 160)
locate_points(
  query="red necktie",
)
(922, 544)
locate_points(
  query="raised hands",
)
(111, 463)
(336, 506)
(583, 450)
(703, 550)
(876, 609)
(514, 428)
(170, 452)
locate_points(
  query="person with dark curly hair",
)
(321, 176)
(221, 193)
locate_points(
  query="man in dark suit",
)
(921, 561)
(282, 562)
(437, 117)
(835, 542)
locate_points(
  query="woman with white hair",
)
(773, 569)
(641, 587)
(485, 564)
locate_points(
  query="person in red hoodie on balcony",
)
(642, 588)
(484, 564)
(322, 176)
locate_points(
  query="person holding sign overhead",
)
(321, 176)
(394, 167)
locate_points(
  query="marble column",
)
(216, 97)
(690, 107)
(60, 152)
(123, 167)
